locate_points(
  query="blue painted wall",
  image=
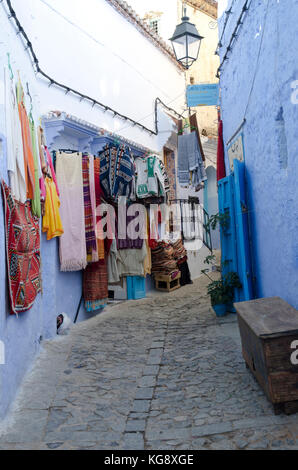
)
(256, 83)
(23, 335)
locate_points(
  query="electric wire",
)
(93, 101)
(92, 38)
(245, 8)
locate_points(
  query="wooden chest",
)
(268, 328)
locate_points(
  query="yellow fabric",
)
(51, 222)
(101, 248)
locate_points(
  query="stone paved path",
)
(161, 373)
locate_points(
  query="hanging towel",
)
(89, 225)
(221, 169)
(190, 160)
(183, 166)
(15, 155)
(73, 254)
(22, 252)
(195, 128)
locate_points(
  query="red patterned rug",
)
(22, 252)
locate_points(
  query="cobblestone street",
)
(161, 373)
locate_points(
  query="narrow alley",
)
(160, 373)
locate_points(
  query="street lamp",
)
(186, 42)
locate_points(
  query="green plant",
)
(222, 219)
(209, 259)
(222, 291)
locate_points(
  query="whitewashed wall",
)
(92, 48)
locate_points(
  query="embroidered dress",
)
(151, 177)
(22, 251)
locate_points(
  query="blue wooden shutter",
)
(244, 268)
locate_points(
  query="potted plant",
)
(221, 291)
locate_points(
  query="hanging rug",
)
(22, 252)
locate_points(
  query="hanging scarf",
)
(51, 167)
(221, 169)
(98, 196)
(27, 144)
(22, 251)
(36, 206)
(73, 254)
(89, 226)
(95, 257)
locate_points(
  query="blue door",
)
(242, 232)
(234, 236)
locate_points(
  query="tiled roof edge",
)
(209, 7)
(124, 9)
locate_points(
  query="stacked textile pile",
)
(180, 255)
(163, 261)
(179, 251)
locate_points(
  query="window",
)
(154, 25)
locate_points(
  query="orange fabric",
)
(28, 152)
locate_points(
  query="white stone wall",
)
(94, 49)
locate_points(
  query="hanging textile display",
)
(112, 264)
(193, 122)
(148, 257)
(129, 243)
(22, 251)
(150, 177)
(51, 223)
(95, 286)
(36, 206)
(91, 245)
(50, 168)
(15, 155)
(191, 168)
(221, 168)
(73, 253)
(116, 171)
(94, 256)
(27, 144)
(131, 262)
(98, 196)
